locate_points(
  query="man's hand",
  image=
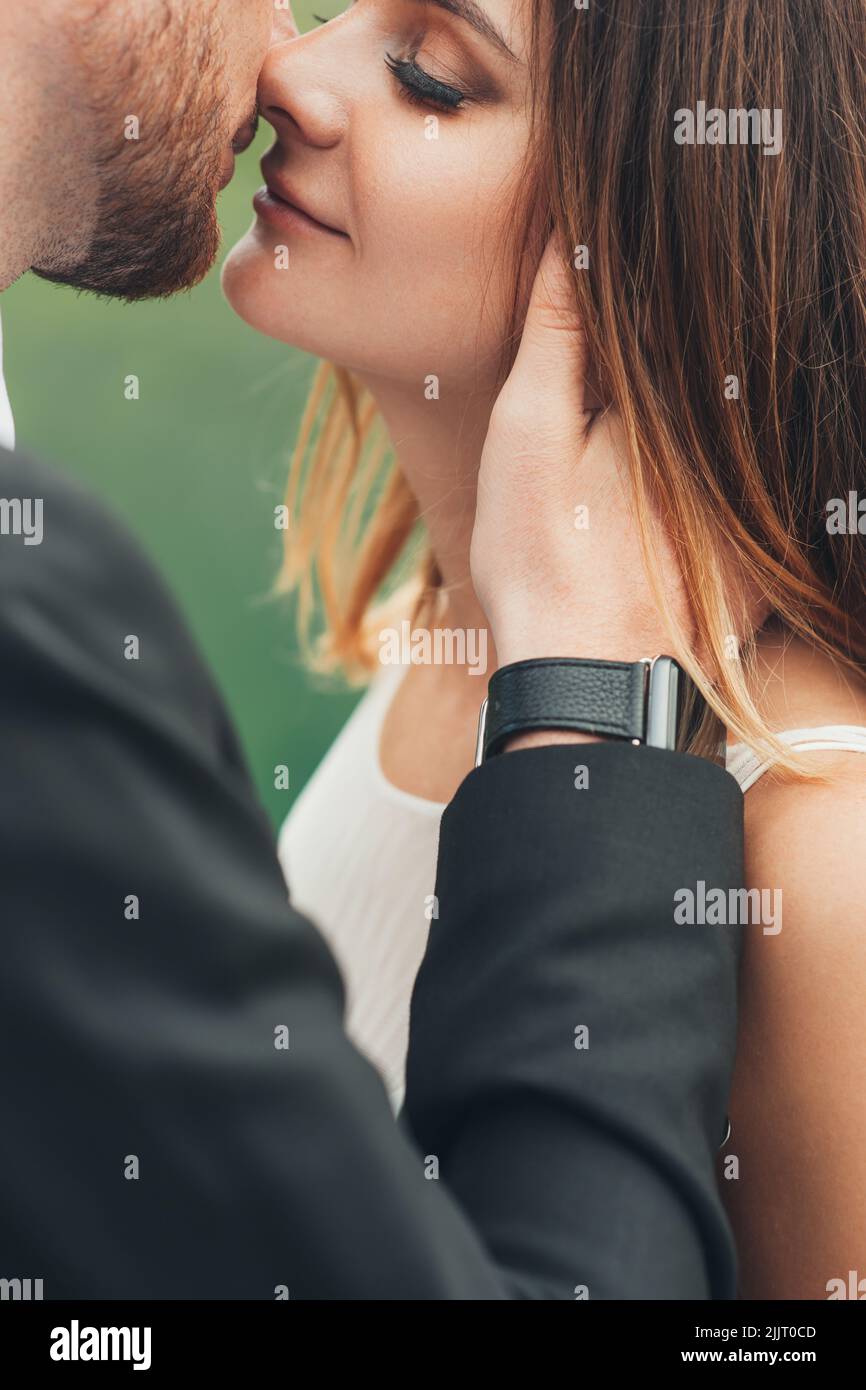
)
(556, 558)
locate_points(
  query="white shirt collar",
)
(7, 423)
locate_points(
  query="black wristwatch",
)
(653, 702)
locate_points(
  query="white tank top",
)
(360, 856)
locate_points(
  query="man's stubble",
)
(149, 93)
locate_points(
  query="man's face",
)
(156, 97)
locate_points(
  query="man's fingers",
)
(552, 353)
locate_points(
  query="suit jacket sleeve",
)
(159, 1141)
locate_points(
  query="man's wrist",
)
(539, 702)
(542, 701)
(541, 738)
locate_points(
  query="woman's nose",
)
(298, 96)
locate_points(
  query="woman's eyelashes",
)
(422, 88)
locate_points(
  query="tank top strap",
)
(747, 766)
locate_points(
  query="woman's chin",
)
(272, 302)
(312, 315)
(248, 287)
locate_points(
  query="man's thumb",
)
(552, 352)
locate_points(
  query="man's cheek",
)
(246, 50)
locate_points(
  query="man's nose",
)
(284, 26)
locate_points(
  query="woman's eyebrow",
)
(473, 14)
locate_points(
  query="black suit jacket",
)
(154, 1142)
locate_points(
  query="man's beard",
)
(156, 229)
(146, 247)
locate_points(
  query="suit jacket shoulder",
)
(85, 595)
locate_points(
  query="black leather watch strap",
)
(593, 697)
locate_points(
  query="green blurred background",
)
(195, 466)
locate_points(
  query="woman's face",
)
(402, 127)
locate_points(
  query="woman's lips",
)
(274, 207)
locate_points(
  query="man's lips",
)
(245, 136)
(242, 141)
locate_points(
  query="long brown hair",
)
(724, 302)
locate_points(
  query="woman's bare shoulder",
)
(798, 1206)
(802, 830)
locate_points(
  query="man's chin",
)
(150, 258)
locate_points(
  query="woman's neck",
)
(438, 445)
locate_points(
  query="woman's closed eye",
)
(422, 88)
